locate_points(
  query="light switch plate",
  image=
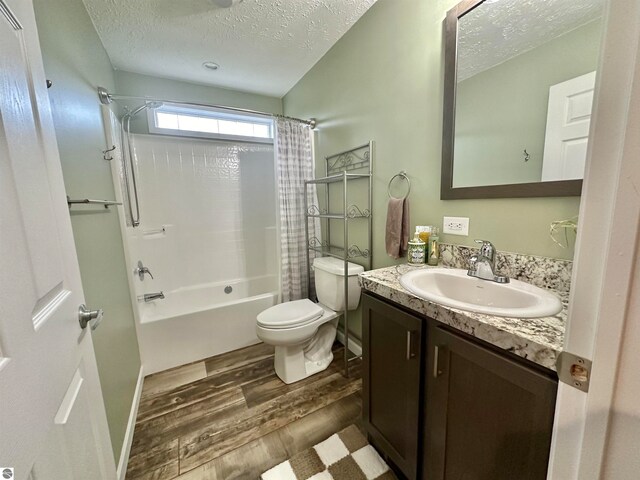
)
(456, 226)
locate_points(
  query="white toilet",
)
(302, 331)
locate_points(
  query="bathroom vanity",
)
(450, 394)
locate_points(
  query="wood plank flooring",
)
(230, 417)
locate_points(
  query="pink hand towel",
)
(397, 229)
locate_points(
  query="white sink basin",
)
(454, 288)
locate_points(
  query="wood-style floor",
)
(231, 417)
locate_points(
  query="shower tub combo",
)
(207, 233)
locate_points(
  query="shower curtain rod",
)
(106, 98)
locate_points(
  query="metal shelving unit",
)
(342, 169)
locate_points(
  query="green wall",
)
(503, 110)
(128, 83)
(383, 80)
(76, 62)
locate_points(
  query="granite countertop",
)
(536, 339)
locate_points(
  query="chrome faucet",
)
(141, 270)
(150, 297)
(483, 264)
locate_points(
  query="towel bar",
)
(89, 201)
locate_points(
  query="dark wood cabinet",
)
(392, 357)
(487, 416)
(442, 405)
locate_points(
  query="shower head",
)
(135, 111)
(149, 104)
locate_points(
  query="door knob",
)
(93, 317)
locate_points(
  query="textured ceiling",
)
(262, 46)
(497, 31)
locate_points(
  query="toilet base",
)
(293, 363)
(292, 366)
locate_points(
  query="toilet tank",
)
(329, 275)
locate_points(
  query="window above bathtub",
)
(213, 123)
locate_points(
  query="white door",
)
(52, 418)
(567, 134)
(588, 443)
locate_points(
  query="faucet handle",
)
(477, 240)
(487, 249)
(141, 271)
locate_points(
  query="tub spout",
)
(150, 297)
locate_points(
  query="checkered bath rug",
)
(343, 456)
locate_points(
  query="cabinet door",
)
(391, 382)
(488, 416)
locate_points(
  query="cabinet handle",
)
(436, 361)
(410, 353)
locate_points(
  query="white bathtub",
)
(200, 321)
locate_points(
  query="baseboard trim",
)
(355, 346)
(128, 436)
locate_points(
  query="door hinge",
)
(574, 370)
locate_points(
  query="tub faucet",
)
(483, 264)
(150, 297)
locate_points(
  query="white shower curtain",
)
(295, 165)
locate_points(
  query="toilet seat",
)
(290, 314)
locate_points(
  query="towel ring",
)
(403, 175)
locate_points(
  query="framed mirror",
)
(519, 82)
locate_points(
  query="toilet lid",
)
(290, 314)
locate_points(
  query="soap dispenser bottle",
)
(433, 250)
(416, 251)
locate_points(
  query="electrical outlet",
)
(456, 225)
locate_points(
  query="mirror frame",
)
(562, 188)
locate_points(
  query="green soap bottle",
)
(433, 250)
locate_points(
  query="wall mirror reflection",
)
(519, 83)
